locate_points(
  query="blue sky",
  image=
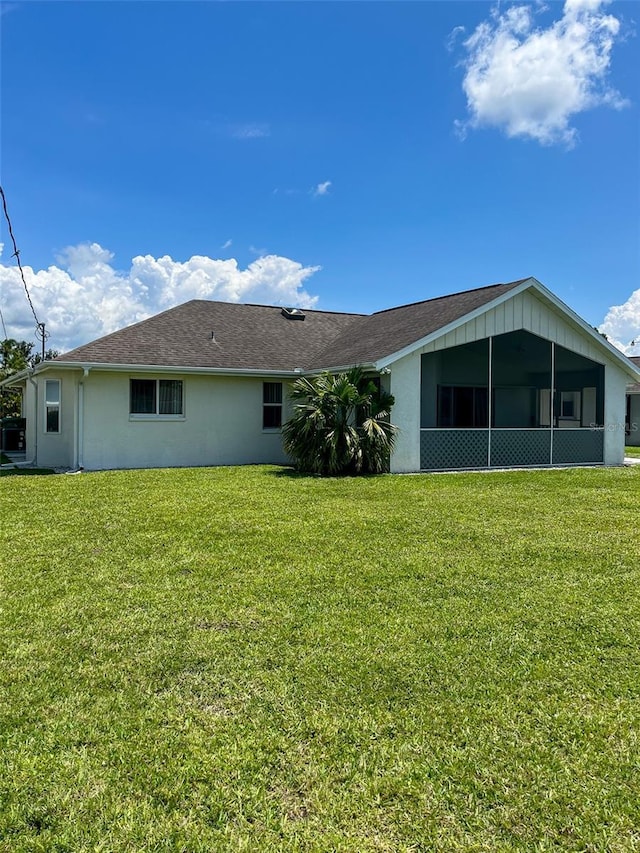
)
(347, 155)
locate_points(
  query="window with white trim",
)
(52, 405)
(271, 405)
(155, 398)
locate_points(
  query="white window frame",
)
(52, 405)
(156, 416)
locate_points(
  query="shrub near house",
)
(340, 425)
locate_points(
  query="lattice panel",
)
(575, 446)
(454, 448)
(520, 447)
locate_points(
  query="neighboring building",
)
(501, 376)
(632, 419)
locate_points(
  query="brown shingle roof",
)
(387, 332)
(259, 337)
(245, 337)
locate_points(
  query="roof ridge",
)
(306, 310)
(451, 295)
(266, 305)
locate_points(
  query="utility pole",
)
(43, 336)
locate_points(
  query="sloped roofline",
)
(526, 284)
(519, 287)
(511, 284)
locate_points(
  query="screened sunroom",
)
(512, 400)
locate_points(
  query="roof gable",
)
(502, 293)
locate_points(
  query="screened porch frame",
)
(460, 448)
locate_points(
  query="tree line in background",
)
(14, 357)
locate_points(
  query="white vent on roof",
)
(293, 313)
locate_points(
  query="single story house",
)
(633, 409)
(500, 376)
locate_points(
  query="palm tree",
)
(340, 425)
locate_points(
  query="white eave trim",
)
(528, 284)
(16, 378)
(103, 367)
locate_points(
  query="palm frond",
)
(340, 424)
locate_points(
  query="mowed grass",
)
(243, 659)
(632, 451)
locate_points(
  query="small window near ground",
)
(52, 405)
(155, 397)
(271, 405)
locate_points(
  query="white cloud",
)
(530, 82)
(85, 296)
(622, 325)
(454, 35)
(250, 131)
(322, 189)
(226, 244)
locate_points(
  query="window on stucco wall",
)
(52, 405)
(271, 405)
(156, 397)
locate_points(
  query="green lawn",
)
(242, 659)
(632, 451)
(14, 471)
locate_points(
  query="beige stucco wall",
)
(524, 311)
(615, 384)
(404, 384)
(57, 449)
(222, 425)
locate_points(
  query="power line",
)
(16, 255)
